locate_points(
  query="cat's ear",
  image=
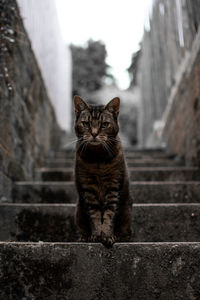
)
(113, 106)
(79, 105)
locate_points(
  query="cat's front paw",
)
(82, 239)
(108, 241)
(95, 238)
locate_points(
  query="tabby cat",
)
(104, 208)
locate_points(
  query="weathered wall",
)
(182, 117)
(28, 125)
(53, 55)
(173, 27)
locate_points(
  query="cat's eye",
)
(86, 124)
(104, 124)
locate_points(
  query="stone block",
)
(91, 271)
(136, 174)
(142, 192)
(55, 222)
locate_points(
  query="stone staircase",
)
(40, 258)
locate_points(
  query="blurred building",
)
(169, 76)
(53, 55)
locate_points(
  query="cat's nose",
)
(94, 132)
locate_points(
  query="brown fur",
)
(104, 207)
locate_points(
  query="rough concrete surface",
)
(68, 162)
(55, 223)
(142, 192)
(73, 271)
(137, 174)
(170, 192)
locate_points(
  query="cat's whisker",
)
(83, 146)
(105, 148)
(111, 150)
(108, 149)
(86, 143)
(110, 144)
(72, 142)
(113, 140)
(80, 143)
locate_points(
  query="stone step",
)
(129, 153)
(78, 271)
(55, 222)
(142, 192)
(139, 174)
(54, 174)
(69, 162)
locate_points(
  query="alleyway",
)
(40, 256)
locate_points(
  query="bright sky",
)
(118, 23)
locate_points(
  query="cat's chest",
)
(100, 179)
(100, 170)
(99, 174)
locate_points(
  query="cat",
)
(104, 208)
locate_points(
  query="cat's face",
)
(96, 125)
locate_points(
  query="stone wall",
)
(173, 28)
(28, 124)
(182, 117)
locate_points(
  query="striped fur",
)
(104, 206)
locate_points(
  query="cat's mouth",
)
(94, 143)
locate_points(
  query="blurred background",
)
(145, 52)
(90, 49)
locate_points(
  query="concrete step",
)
(129, 153)
(54, 174)
(142, 192)
(69, 162)
(90, 271)
(55, 222)
(137, 174)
